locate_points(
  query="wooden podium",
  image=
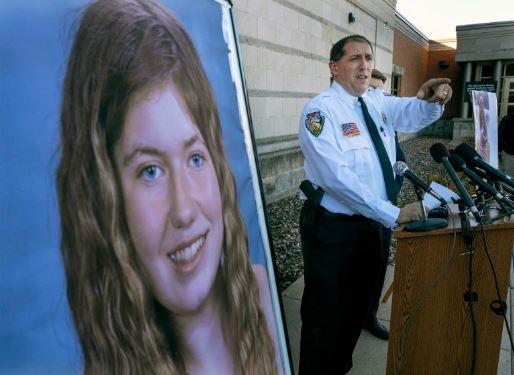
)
(437, 339)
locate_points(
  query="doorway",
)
(507, 99)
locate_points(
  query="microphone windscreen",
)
(438, 151)
(457, 162)
(399, 168)
(467, 152)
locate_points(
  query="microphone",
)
(483, 175)
(440, 155)
(460, 166)
(473, 158)
(401, 169)
(508, 189)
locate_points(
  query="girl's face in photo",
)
(172, 199)
(482, 119)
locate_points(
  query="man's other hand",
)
(435, 90)
(409, 212)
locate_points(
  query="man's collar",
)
(345, 96)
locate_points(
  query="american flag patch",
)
(350, 129)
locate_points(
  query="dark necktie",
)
(390, 183)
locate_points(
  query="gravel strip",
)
(284, 214)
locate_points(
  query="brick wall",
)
(453, 71)
(414, 59)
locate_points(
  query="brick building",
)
(417, 59)
(285, 46)
(481, 53)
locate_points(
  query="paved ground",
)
(370, 355)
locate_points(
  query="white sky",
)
(437, 18)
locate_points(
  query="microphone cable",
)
(498, 306)
(470, 296)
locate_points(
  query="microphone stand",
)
(470, 296)
(425, 224)
(464, 222)
(480, 200)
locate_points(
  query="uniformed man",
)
(347, 137)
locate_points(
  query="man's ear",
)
(333, 68)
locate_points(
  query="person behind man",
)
(506, 143)
(378, 79)
(372, 325)
(351, 194)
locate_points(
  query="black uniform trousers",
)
(377, 293)
(343, 256)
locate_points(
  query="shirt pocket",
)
(357, 155)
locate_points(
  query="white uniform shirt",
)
(339, 153)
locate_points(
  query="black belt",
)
(343, 217)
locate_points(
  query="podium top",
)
(454, 223)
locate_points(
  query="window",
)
(396, 84)
(485, 72)
(509, 69)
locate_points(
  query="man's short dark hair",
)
(378, 75)
(337, 50)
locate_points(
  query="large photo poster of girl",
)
(485, 114)
(139, 243)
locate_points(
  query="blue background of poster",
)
(36, 329)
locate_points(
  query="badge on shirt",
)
(350, 129)
(314, 123)
(384, 118)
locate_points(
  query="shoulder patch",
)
(314, 122)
